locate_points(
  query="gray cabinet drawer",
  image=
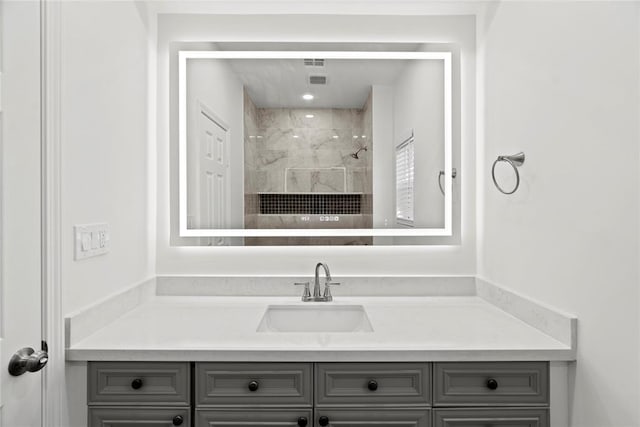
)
(250, 418)
(491, 383)
(148, 383)
(348, 384)
(274, 384)
(143, 417)
(375, 417)
(484, 417)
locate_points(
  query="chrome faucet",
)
(326, 295)
(316, 283)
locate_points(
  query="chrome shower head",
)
(355, 155)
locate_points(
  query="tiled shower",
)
(301, 171)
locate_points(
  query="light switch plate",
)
(90, 240)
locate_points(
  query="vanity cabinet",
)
(488, 394)
(224, 394)
(390, 417)
(254, 394)
(153, 394)
(147, 417)
(384, 394)
(254, 418)
(490, 417)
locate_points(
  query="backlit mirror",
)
(331, 147)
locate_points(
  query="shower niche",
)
(314, 145)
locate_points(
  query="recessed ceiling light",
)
(364, 136)
(307, 97)
(355, 136)
(335, 137)
(296, 136)
(259, 136)
(309, 116)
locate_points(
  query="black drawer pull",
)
(492, 384)
(302, 421)
(372, 385)
(178, 420)
(323, 421)
(253, 385)
(136, 384)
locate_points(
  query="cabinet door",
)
(144, 383)
(373, 384)
(370, 417)
(139, 417)
(500, 417)
(253, 384)
(491, 384)
(254, 418)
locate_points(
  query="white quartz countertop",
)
(224, 328)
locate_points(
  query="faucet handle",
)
(327, 290)
(306, 294)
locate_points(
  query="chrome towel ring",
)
(454, 173)
(515, 160)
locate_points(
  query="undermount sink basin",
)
(315, 318)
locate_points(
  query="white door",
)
(20, 238)
(213, 171)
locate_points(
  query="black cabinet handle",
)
(302, 421)
(253, 385)
(178, 420)
(372, 385)
(136, 384)
(323, 421)
(492, 384)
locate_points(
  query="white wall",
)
(434, 260)
(104, 157)
(104, 146)
(418, 107)
(561, 83)
(384, 212)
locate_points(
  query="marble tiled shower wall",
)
(311, 155)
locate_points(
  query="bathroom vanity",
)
(184, 351)
(420, 394)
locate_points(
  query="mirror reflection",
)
(349, 147)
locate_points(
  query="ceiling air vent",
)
(318, 80)
(313, 62)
